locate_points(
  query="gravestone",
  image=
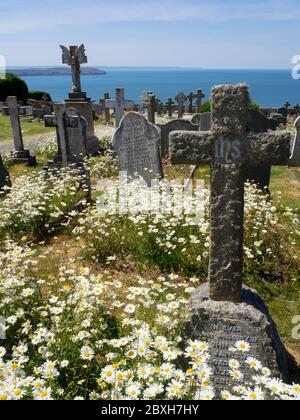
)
(19, 154)
(149, 103)
(4, 178)
(180, 99)
(74, 144)
(257, 121)
(199, 96)
(74, 56)
(295, 149)
(170, 104)
(186, 106)
(29, 110)
(106, 110)
(175, 125)
(203, 120)
(190, 98)
(137, 144)
(120, 105)
(223, 312)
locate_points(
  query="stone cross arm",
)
(199, 148)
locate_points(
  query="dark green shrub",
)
(13, 86)
(38, 95)
(206, 107)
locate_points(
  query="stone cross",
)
(180, 99)
(120, 105)
(19, 154)
(287, 105)
(191, 98)
(71, 130)
(74, 56)
(170, 104)
(149, 102)
(199, 96)
(228, 148)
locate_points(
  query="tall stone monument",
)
(74, 56)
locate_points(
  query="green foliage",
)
(13, 86)
(206, 107)
(254, 105)
(38, 95)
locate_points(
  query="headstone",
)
(149, 103)
(199, 96)
(74, 145)
(4, 177)
(180, 99)
(224, 312)
(19, 154)
(137, 144)
(186, 106)
(170, 104)
(97, 108)
(295, 149)
(203, 120)
(74, 56)
(191, 97)
(120, 105)
(29, 110)
(175, 125)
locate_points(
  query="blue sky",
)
(192, 33)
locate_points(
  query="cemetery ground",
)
(101, 298)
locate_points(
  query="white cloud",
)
(54, 13)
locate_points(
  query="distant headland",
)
(55, 71)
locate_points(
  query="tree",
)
(39, 95)
(12, 85)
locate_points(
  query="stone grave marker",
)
(120, 105)
(199, 96)
(137, 144)
(74, 56)
(4, 177)
(74, 145)
(175, 125)
(170, 104)
(191, 97)
(5, 111)
(180, 99)
(149, 103)
(19, 154)
(224, 312)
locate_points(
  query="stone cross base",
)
(23, 156)
(223, 324)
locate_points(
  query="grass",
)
(29, 129)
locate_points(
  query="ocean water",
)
(269, 88)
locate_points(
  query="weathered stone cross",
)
(191, 98)
(170, 104)
(74, 57)
(228, 148)
(180, 99)
(149, 102)
(120, 105)
(199, 96)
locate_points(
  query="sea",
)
(269, 88)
